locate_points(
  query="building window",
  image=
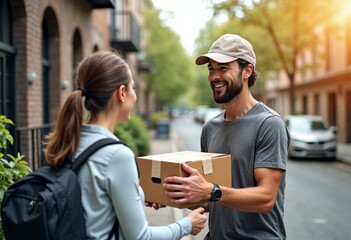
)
(7, 53)
(46, 73)
(7, 69)
(77, 55)
(304, 105)
(5, 23)
(272, 103)
(332, 114)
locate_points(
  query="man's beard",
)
(232, 91)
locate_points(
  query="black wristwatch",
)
(216, 193)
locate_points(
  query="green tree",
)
(289, 27)
(207, 35)
(171, 65)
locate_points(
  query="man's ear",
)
(248, 71)
(121, 93)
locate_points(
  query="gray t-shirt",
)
(110, 187)
(258, 139)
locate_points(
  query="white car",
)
(311, 137)
(209, 113)
(199, 111)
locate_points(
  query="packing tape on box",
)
(156, 169)
(207, 166)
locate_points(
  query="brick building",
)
(41, 43)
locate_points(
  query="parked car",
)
(311, 137)
(199, 110)
(209, 113)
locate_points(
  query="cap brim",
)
(218, 57)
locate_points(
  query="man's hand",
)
(191, 189)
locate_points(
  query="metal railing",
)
(29, 142)
(125, 30)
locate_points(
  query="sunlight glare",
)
(346, 11)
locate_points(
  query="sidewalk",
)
(344, 153)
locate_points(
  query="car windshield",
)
(306, 125)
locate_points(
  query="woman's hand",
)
(155, 206)
(197, 219)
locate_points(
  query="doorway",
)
(332, 117)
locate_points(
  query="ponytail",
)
(64, 140)
(98, 76)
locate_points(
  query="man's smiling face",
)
(225, 80)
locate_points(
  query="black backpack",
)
(46, 204)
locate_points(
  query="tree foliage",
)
(203, 94)
(171, 73)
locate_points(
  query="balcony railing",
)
(125, 32)
(101, 3)
(29, 142)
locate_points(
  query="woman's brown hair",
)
(98, 76)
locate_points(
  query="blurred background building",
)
(42, 42)
(324, 88)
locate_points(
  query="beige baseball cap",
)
(228, 48)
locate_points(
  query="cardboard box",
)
(215, 167)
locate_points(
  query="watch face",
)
(217, 195)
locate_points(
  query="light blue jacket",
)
(110, 187)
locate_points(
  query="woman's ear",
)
(121, 93)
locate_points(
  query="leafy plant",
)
(135, 134)
(11, 167)
(4, 132)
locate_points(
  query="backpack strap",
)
(114, 231)
(82, 158)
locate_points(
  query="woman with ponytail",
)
(109, 179)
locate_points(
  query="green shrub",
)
(11, 167)
(125, 136)
(135, 134)
(140, 134)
